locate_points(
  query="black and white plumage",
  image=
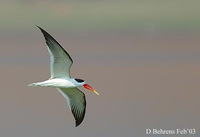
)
(76, 101)
(60, 78)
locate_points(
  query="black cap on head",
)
(79, 80)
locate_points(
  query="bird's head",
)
(85, 85)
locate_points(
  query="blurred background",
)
(142, 56)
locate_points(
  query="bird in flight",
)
(60, 78)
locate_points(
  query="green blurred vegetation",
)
(101, 15)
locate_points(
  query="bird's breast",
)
(64, 83)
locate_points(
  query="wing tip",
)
(48, 36)
(39, 27)
(43, 31)
(78, 122)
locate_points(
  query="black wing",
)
(60, 60)
(76, 101)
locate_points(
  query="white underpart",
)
(59, 83)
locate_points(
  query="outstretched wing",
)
(76, 101)
(60, 60)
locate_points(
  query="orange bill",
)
(90, 88)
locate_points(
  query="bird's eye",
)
(79, 80)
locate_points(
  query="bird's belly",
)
(63, 83)
(56, 83)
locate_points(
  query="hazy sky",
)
(142, 57)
